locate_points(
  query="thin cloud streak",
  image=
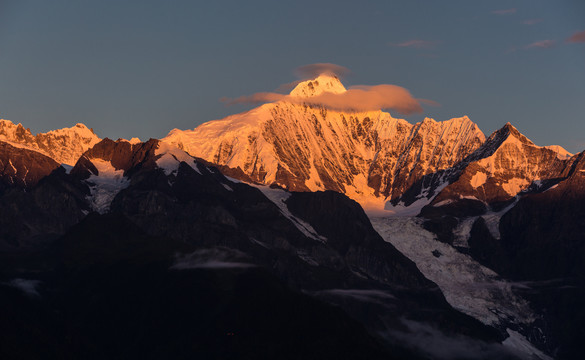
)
(504, 11)
(511, 49)
(416, 43)
(437, 344)
(544, 44)
(429, 102)
(215, 258)
(532, 21)
(255, 99)
(29, 287)
(577, 37)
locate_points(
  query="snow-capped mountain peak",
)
(512, 134)
(63, 145)
(323, 83)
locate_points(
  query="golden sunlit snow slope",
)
(370, 156)
(63, 145)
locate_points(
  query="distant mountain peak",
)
(62, 145)
(506, 134)
(323, 83)
(510, 130)
(562, 153)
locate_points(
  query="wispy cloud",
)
(577, 37)
(254, 99)
(439, 345)
(510, 49)
(504, 11)
(215, 258)
(29, 287)
(531, 21)
(416, 43)
(429, 102)
(373, 296)
(311, 71)
(544, 44)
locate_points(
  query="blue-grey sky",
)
(140, 68)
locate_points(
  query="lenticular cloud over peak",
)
(311, 71)
(326, 90)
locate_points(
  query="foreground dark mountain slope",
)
(34, 215)
(173, 228)
(116, 295)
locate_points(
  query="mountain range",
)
(378, 237)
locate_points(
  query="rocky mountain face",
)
(64, 146)
(491, 179)
(369, 156)
(144, 233)
(507, 164)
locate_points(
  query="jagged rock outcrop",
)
(121, 154)
(64, 146)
